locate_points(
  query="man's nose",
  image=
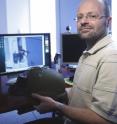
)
(84, 20)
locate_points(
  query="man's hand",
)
(47, 104)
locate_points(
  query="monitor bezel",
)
(28, 34)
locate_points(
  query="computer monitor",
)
(18, 52)
(72, 47)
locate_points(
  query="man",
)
(93, 98)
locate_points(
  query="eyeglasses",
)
(89, 17)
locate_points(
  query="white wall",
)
(29, 16)
(43, 19)
(3, 17)
(17, 16)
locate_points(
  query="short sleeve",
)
(104, 95)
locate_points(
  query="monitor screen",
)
(72, 47)
(18, 52)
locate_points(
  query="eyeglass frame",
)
(89, 17)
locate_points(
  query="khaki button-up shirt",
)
(95, 80)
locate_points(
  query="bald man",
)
(93, 97)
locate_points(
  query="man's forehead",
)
(90, 6)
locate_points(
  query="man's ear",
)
(109, 20)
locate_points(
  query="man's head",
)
(93, 19)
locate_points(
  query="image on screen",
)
(19, 52)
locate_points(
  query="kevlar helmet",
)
(45, 82)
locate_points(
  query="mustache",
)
(85, 27)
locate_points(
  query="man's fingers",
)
(38, 97)
(36, 107)
(35, 95)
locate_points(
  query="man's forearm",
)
(83, 115)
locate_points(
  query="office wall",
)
(29, 16)
(17, 16)
(43, 20)
(68, 9)
(114, 20)
(66, 12)
(14, 16)
(3, 17)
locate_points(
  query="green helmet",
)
(45, 81)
